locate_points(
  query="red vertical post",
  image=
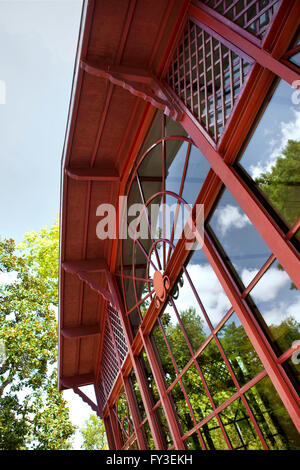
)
(109, 433)
(166, 404)
(134, 413)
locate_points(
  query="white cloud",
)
(230, 217)
(282, 311)
(267, 289)
(247, 275)
(210, 292)
(288, 131)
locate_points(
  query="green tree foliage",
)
(42, 255)
(93, 434)
(33, 414)
(282, 183)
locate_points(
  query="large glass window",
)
(274, 421)
(239, 350)
(278, 302)
(240, 244)
(169, 173)
(272, 156)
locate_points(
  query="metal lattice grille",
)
(118, 333)
(113, 353)
(101, 394)
(252, 15)
(109, 365)
(207, 75)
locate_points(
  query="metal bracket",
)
(82, 270)
(88, 401)
(138, 82)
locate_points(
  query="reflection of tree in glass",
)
(239, 351)
(124, 417)
(245, 364)
(286, 333)
(282, 183)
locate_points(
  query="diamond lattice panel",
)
(207, 74)
(109, 364)
(114, 350)
(252, 15)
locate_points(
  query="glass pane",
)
(164, 425)
(190, 313)
(208, 287)
(124, 417)
(149, 437)
(175, 164)
(163, 355)
(134, 319)
(173, 127)
(198, 397)
(274, 421)
(275, 168)
(292, 367)
(196, 173)
(243, 246)
(278, 301)
(193, 442)
(175, 337)
(215, 373)
(295, 59)
(182, 409)
(213, 436)
(239, 350)
(138, 396)
(239, 428)
(149, 377)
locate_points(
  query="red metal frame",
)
(269, 61)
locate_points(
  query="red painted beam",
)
(90, 265)
(77, 380)
(80, 331)
(93, 174)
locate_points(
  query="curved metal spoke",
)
(143, 250)
(180, 195)
(147, 215)
(140, 302)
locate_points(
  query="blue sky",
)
(38, 40)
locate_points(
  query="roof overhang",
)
(123, 51)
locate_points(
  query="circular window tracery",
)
(162, 176)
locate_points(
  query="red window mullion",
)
(109, 433)
(134, 413)
(168, 409)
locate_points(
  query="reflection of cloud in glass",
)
(274, 297)
(210, 292)
(274, 280)
(287, 131)
(282, 311)
(230, 217)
